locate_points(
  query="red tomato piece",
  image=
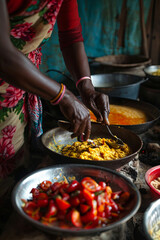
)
(87, 195)
(73, 186)
(113, 205)
(74, 217)
(102, 184)
(92, 224)
(30, 207)
(45, 185)
(89, 216)
(62, 204)
(108, 211)
(52, 210)
(84, 208)
(74, 201)
(90, 184)
(55, 186)
(42, 200)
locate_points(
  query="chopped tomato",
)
(87, 195)
(90, 184)
(84, 208)
(89, 216)
(52, 210)
(86, 204)
(92, 224)
(42, 200)
(62, 204)
(113, 205)
(74, 185)
(74, 201)
(75, 218)
(55, 186)
(32, 210)
(30, 207)
(102, 184)
(45, 185)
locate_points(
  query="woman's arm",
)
(17, 70)
(71, 43)
(77, 63)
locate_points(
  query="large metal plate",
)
(57, 138)
(116, 180)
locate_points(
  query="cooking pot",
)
(118, 84)
(150, 95)
(152, 113)
(55, 139)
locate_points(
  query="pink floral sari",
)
(29, 31)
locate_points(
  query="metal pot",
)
(54, 139)
(151, 95)
(118, 84)
(152, 113)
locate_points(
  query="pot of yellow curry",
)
(99, 150)
(137, 116)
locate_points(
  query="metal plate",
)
(58, 138)
(117, 182)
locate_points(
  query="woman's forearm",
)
(76, 60)
(17, 70)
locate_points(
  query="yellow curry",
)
(98, 150)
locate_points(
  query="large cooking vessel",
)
(118, 84)
(152, 113)
(55, 139)
(122, 61)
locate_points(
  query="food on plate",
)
(98, 149)
(155, 232)
(81, 204)
(124, 115)
(156, 183)
(156, 73)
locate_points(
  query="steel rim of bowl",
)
(75, 232)
(147, 215)
(141, 80)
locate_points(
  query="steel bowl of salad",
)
(76, 199)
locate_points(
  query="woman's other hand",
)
(97, 102)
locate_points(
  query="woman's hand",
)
(97, 102)
(77, 114)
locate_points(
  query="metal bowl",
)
(151, 220)
(118, 84)
(55, 139)
(116, 180)
(149, 73)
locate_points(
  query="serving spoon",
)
(117, 144)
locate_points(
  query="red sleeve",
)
(69, 26)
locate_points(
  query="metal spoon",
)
(118, 142)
